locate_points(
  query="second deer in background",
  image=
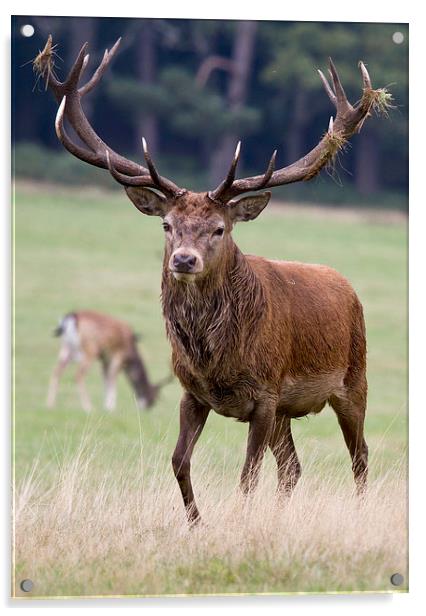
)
(87, 335)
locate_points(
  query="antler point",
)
(116, 44)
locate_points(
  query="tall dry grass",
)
(82, 528)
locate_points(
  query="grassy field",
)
(97, 511)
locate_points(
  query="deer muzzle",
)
(185, 264)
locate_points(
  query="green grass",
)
(77, 249)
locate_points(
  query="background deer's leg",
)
(261, 426)
(63, 360)
(193, 416)
(111, 374)
(282, 446)
(350, 411)
(105, 365)
(82, 370)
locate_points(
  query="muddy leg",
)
(193, 416)
(282, 446)
(261, 425)
(350, 416)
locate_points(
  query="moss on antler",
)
(44, 62)
(332, 143)
(373, 101)
(379, 101)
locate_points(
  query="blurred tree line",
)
(193, 88)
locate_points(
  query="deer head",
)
(198, 225)
(197, 229)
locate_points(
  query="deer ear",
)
(147, 201)
(248, 208)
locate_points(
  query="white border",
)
(332, 10)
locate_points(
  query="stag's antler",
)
(349, 120)
(96, 152)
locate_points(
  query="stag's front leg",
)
(261, 426)
(193, 416)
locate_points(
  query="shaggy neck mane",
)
(217, 317)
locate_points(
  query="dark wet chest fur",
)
(212, 328)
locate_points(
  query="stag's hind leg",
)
(350, 411)
(282, 446)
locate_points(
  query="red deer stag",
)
(87, 335)
(258, 340)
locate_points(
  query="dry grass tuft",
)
(84, 530)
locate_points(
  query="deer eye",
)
(219, 232)
(166, 227)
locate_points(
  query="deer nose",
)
(183, 262)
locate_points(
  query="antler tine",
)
(228, 181)
(330, 74)
(152, 169)
(158, 181)
(76, 70)
(268, 173)
(146, 180)
(365, 76)
(226, 187)
(85, 63)
(327, 87)
(270, 169)
(232, 169)
(126, 180)
(76, 150)
(341, 99)
(97, 75)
